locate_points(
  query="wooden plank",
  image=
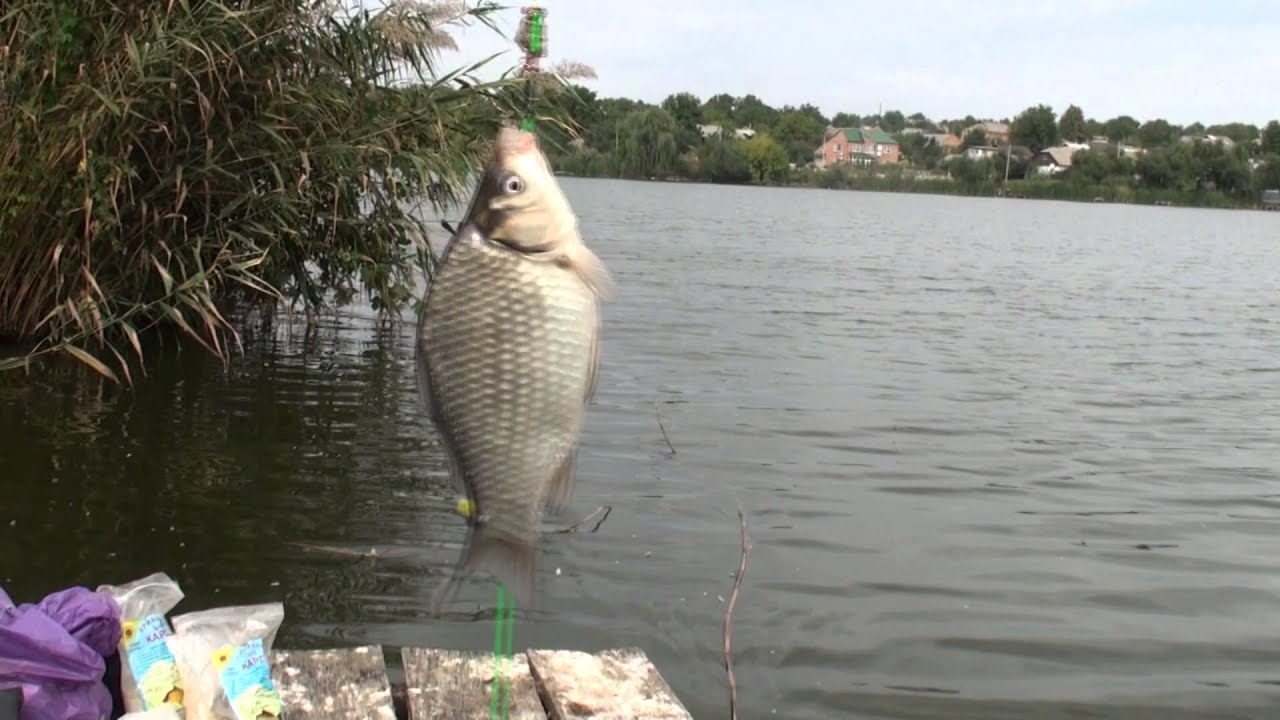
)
(454, 685)
(611, 685)
(346, 684)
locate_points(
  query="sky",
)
(1176, 59)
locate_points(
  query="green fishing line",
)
(497, 656)
(503, 641)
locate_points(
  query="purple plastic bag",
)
(55, 651)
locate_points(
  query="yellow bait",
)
(466, 508)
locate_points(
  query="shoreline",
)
(1167, 199)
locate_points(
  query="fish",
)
(507, 354)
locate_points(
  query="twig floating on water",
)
(728, 617)
(663, 428)
(603, 511)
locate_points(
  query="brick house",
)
(861, 146)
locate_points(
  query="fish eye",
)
(513, 184)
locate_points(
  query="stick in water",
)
(663, 428)
(728, 617)
(603, 509)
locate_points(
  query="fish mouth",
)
(524, 249)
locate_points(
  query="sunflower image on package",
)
(224, 657)
(149, 676)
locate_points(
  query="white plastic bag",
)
(164, 712)
(149, 676)
(224, 655)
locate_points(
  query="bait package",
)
(149, 677)
(164, 712)
(224, 657)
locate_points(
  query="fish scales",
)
(514, 339)
(506, 357)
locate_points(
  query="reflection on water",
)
(1001, 459)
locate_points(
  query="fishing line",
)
(531, 37)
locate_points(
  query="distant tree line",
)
(1128, 159)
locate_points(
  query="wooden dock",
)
(352, 684)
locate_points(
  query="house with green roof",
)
(860, 146)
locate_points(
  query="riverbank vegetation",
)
(726, 139)
(174, 165)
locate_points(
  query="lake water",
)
(999, 459)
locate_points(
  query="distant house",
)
(715, 130)
(977, 152)
(860, 146)
(1051, 161)
(946, 141)
(997, 133)
(1222, 140)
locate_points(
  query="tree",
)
(1072, 125)
(1157, 133)
(751, 111)
(766, 159)
(686, 110)
(919, 152)
(1242, 133)
(971, 173)
(1036, 127)
(800, 133)
(846, 120)
(893, 122)
(718, 109)
(1227, 169)
(1271, 138)
(1267, 176)
(722, 161)
(1120, 129)
(974, 138)
(648, 147)
(1096, 167)
(1170, 167)
(606, 134)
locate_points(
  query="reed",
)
(162, 164)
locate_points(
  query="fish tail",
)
(510, 561)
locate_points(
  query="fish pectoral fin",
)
(561, 485)
(591, 269)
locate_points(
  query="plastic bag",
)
(149, 677)
(164, 712)
(224, 657)
(54, 652)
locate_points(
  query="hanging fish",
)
(506, 359)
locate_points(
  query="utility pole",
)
(1008, 156)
